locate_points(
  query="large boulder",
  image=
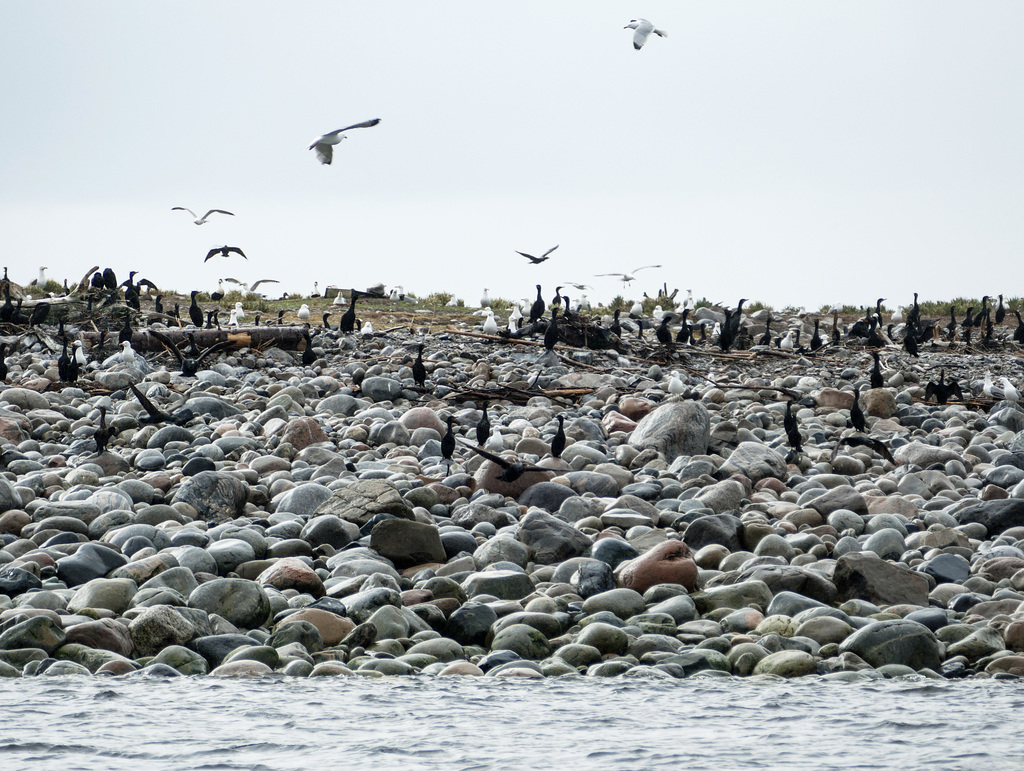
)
(670, 562)
(674, 429)
(897, 641)
(550, 539)
(215, 495)
(863, 575)
(243, 603)
(159, 626)
(361, 501)
(407, 542)
(755, 461)
(996, 515)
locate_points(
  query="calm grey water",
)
(467, 723)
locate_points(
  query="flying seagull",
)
(627, 277)
(252, 287)
(324, 145)
(641, 30)
(201, 220)
(538, 260)
(224, 251)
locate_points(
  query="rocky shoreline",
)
(301, 521)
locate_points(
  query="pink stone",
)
(462, 668)
(302, 432)
(670, 562)
(634, 408)
(616, 421)
(292, 573)
(333, 628)
(422, 417)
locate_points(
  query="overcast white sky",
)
(800, 152)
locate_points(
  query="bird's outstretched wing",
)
(217, 211)
(168, 344)
(182, 208)
(620, 275)
(645, 267)
(263, 281)
(236, 250)
(324, 152)
(549, 251)
(364, 124)
(530, 257)
(212, 252)
(150, 284)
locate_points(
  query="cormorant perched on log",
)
(195, 313)
(551, 335)
(109, 279)
(126, 329)
(558, 442)
(39, 313)
(857, 414)
(419, 371)
(876, 372)
(511, 470)
(943, 390)
(538, 307)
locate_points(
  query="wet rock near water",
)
(304, 522)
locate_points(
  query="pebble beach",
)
(300, 520)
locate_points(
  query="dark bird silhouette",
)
(308, 356)
(39, 314)
(551, 335)
(1018, 333)
(419, 371)
(876, 372)
(617, 327)
(3, 362)
(483, 426)
(538, 260)
(326, 324)
(538, 307)
(663, 334)
(857, 440)
(766, 338)
(224, 251)
(193, 359)
(942, 390)
(195, 313)
(857, 419)
(7, 310)
(158, 304)
(64, 362)
(512, 470)
(558, 442)
(910, 344)
(557, 299)
(126, 329)
(793, 435)
(103, 432)
(153, 413)
(1000, 311)
(348, 318)
(109, 279)
(685, 334)
(816, 342)
(448, 445)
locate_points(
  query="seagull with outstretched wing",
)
(201, 220)
(627, 277)
(324, 144)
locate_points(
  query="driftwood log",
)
(286, 338)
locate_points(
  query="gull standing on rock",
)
(490, 325)
(642, 30)
(324, 145)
